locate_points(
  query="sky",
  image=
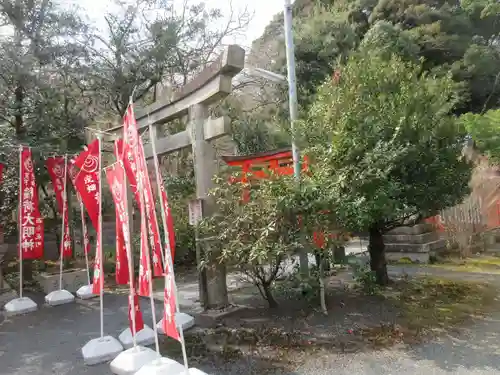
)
(263, 12)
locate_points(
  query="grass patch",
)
(480, 264)
(431, 306)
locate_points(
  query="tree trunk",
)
(18, 116)
(322, 293)
(376, 248)
(269, 296)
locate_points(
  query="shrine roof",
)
(281, 153)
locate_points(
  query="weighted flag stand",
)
(21, 305)
(184, 321)
(85, 292)
(104, 348)
(61, 296)
(132, 360)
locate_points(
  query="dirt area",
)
(407, 312)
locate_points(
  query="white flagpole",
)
(99, 235)
(150, 274)
(20, 224)
(61, 257)
(168, 252)
(130, 262)
(84, 227)
(143, 217)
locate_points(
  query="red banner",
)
(144, 265)
(170, 222)
(85, 232)
(169, 325)
(73, 172)
(30, 220)
(98, 278)
(132, 153)
(1, 172)
(55, 167)
(133, 303)
(87, 180)
(116, 180)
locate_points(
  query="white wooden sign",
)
(195, 211)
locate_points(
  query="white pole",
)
(292, 85)
(84, 230)
(149, 269)
(126, 238)
(159, 182)
(99, 235)
(61, 257)
(20, 224)
(292, 102)
(168, 251)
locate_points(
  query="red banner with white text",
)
(144, 264)
(169, 325)
(170, 223)
(85, 232)
(132, 153)
(55, 167)
(116, 180)
(87, 180)
(73, 173)
(98, 278)
(30, 220)
(133, 303)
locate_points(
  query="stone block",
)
(72, 280)
(414, 257)
(415, 248)
(50, 250)
(413, 230)
(411, 238)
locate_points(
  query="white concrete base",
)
(20, 306)
(162, 366)
(131, 360)
(59, 297)
(144, 337)
(195, 371)
(85, 292)
(183, 320)
(100, 350)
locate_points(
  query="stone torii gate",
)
(207, 88)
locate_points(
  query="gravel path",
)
(49, 342)
(473, 352)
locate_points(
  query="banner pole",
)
(149, 270)
(20, 224)
(168, 261)
(63, 231)
(130, 262)
(84, 238)
(99, 235)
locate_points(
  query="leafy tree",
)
(485, 132)
(461, 36)
(255, 236)
(43, 97)
(151, 42)
(386, 150)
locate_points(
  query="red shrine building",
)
(257, 166)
